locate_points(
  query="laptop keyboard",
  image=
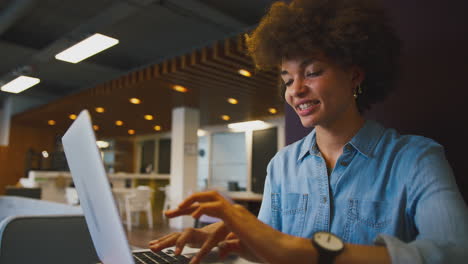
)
(149, 257)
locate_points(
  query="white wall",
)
(228, 159)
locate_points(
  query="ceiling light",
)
(96, 127)
(102, 144)
(250, 125)
(119, 123)
(232, 101)
(225, 117)
(201, 132)
(131, 132)
(245, 73)
(51, 122)
(135, 100)
(72, 116)
(179, 88)
(20, 84)
(157, 128)
(100, 109)
(272, 110)
(86, 48)
(149, 117)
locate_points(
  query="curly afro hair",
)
(349, 32)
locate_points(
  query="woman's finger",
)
(186, 236)
(210, 243)
(181, 211)
(214, 209)
(165, 242)
(201, 197)
(230, 236)
(229, 246)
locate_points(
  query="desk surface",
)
(118, 175)
(245, 196)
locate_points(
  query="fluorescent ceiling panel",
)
(250, 125)
(86, 48)
(20, 84)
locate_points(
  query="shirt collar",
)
(364, 141)
(309, 146)
(367, 138)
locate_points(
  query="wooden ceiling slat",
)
(211, 72)
(201, 78)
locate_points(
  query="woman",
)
(390, 198)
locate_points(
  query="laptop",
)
(97, 202)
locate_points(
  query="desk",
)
(249, 200)
(53, 183)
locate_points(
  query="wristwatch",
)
(328, 246)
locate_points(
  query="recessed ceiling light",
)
(225, 117)
(100, 109)
(232, 101)
(149, 117)
(51, 122)
(135, 100)
(86, 48)
(72, 116)
(131, 132)
(45, 154)
(179, 88)
(245, 73)
(119, 123)
(157, 128)
(96, 127)
(20, 84)
(272, 110)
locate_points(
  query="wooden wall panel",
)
(12, 158)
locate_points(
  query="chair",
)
(71, 196)
(167, 199)
(139, 200)
(36, 231)
(23, 192)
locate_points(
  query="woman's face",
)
(321, 92)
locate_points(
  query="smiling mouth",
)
(307, 105)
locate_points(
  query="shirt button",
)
(344, 163)
(324, 199)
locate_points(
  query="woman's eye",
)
(313, 74)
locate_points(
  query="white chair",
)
(71, 195)
(167, 199)
(139, 200)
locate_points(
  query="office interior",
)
(162, 98)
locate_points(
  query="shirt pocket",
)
(365, 220)
(289, 212)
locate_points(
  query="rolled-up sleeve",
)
(439, 213)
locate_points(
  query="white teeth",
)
(307, 105)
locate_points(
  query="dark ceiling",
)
(149, 31)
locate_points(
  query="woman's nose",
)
(298, 88)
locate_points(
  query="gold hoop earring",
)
(357, 91)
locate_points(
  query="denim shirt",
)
(386, 189)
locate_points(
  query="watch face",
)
(328, 241)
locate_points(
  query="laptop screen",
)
(92, 185)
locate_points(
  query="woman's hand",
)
(205, 238)
(209, 203)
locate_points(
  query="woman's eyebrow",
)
(306, 62)
(303, 64)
